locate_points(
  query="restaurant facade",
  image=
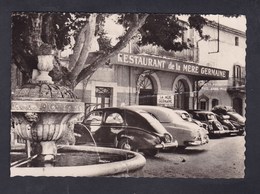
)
(141, 79)
(208, 74)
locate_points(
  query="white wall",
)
(228, 54)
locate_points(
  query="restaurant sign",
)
(166, 64)
(165, 100)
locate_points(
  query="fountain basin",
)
(130, 165)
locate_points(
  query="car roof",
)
(180, 110)
(201, 111)
(119, 108)
(153, 122)
(116, 108)
(166, 114)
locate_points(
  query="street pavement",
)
(220, 158)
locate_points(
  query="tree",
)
(31, 30)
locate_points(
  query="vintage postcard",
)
(128, 95)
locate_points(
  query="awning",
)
(170, 65)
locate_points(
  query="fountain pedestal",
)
(43, 120)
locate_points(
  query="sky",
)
(239, 23)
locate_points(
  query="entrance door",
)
(237, 105)
(146, 97)
(181, 95)
(146, 94)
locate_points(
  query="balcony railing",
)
(236, 84)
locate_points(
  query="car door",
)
(112, 124)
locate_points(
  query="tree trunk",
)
(35, 39)
(104, 57)
(48, 35)
(82, 48)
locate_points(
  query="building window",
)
(214, 102)
(237, 71)
(239, 74)
(103, 96)
(203, 104)
(236, 41)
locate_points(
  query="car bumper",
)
(219, 132)
(197, 142)
(166, 145)
(234, 131)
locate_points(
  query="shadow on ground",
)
(187, 151)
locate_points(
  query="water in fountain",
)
(90, 135)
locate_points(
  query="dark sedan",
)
(236, 119)
(126, 129)
(215, 128)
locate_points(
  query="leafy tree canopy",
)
(30, 30)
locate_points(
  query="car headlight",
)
(196, 135)
(158, 139)
(167, 138)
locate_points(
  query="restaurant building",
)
(146, 79)
(210, 73)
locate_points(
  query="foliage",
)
(163, 30)
(70, 30)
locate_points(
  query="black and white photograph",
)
(143, 95)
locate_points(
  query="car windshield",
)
(211, 117)
(185, 116)
(153, 121)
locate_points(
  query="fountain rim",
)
(47, 106)
(106, 169)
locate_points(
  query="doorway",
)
(146, 93)
(238, 105)
(103, 97)
(181, 95)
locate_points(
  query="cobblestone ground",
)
(220, 158)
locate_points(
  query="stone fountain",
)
(41, 114)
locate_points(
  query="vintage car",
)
(236, 119)
(227, 124)
(215, 128)
(186, 116)
(124, 128)
(187, 133)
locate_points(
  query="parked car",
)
(215, 128)
(126, 129)
(227, 124)
(187, 133)
(236, 119)
(186, 116)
